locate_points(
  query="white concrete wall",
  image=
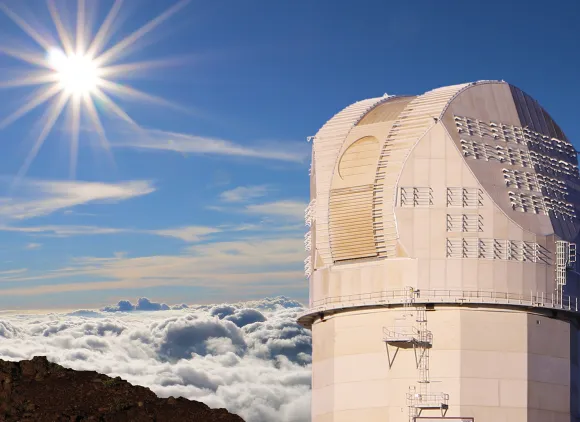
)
(496, 366)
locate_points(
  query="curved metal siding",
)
(534, 117)
(327, 144)
(411, 125)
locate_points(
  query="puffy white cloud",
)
(143, 304)
(251, 358)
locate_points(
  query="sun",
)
(78, 74)
(75, 73)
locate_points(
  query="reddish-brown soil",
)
(41, 391)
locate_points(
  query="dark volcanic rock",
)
(38, 390)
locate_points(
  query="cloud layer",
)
(251, 358)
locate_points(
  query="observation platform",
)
(430, 401)
(400, 297)
(407, 337)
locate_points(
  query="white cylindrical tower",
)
(442, 260)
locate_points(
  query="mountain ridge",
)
(37, 390)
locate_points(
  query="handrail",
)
(408, 295)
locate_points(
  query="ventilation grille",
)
(470, 223)
(416, 197)
(514, 134)
(555, 188)
(464, 197)
(527, 203)
(509, 250)
(308, 267)
(481, 150)
(521, 179)
(308, 241)
(310, 213)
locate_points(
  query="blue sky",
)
(204, 202)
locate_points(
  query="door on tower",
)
(443, 419)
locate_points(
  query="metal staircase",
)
(416, 336)
(565, 260)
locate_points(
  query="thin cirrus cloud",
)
(12, 272)
(38, 198)
(254, 263)
(194, 144)
(188, 233)
(63, 230)
(244, 193)
(288, 209)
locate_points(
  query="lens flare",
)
(81, 71)
(77, 74)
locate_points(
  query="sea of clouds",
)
(251, 358)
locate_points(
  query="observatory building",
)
(442, 271)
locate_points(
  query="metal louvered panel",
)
(498, 249)
(416, 197)
(327, 144)
(467, 223)
(351, 223)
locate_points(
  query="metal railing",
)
(411, 334)
(401, 296)
(429, 400)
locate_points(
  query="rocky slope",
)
(38, 390)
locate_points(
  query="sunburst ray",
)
(25, 56)
(43, 96)
(42, 41)
(31, 78)
(49, 119)
(80, 33)
(65, 37)
(134, 94)
(105, 31)
(123, 46)
(75, 111)
(73, 75)
(136, 69)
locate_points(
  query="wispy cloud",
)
(281, 212)
(244, 193)
(187, 234)
(194, 144)
(258, 262)
(12, 272)
(38, 198)
(63, 230)
(32, 246)
(288, 209)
